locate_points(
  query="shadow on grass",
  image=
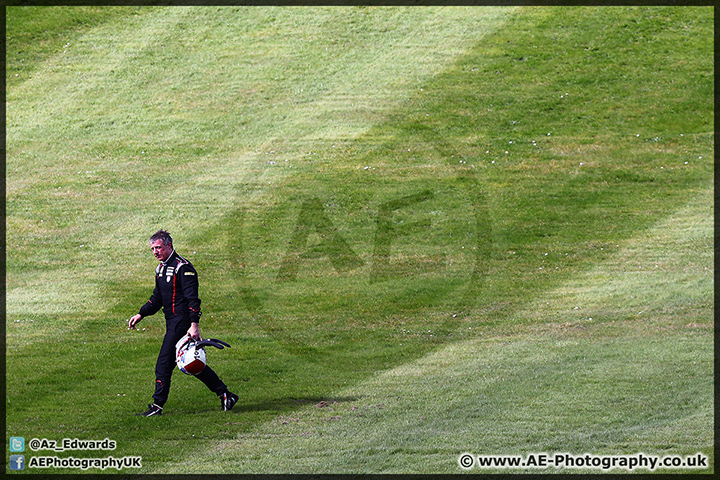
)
(292, 403)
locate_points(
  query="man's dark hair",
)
(163, 235)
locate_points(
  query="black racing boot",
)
(153, 409)
(228, 400)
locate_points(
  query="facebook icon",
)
(17, 462)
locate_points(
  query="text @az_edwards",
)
(37, 444)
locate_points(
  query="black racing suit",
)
(176, 292)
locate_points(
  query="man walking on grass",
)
(176, 292)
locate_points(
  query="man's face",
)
(161, 251)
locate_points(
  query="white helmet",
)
(190, 354)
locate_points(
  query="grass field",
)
(426, 231)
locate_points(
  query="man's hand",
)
(194, 331)
(134, 320)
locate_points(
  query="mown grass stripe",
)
(123, 122)
(516, 392)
